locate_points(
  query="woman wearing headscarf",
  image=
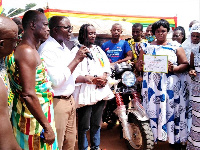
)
(193, 41)
(190, 44)
(160, 91)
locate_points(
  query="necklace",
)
(3, 73)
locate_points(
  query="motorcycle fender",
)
(138, 115)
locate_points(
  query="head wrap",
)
(187, 45)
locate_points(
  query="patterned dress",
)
(161, 98)
(194, 137)
(26, 128)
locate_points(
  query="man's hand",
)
(81, 54)
(49, 136)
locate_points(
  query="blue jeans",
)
(89, 117)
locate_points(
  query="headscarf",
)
(187, 45)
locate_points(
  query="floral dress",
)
(161, 98)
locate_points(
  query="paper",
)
(155, 63)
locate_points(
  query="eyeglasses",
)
(66, 27)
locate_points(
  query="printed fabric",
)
(193, 139)
(26, 128)
(161, 98)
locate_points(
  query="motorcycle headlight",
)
(128, 78)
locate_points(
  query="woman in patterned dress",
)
(189, 45)
(160, 91)
(179, 36)
(194, 137)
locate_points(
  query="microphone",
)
(76, 43)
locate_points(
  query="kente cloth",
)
(135, 48)
(194, 136)
(4, 77)
(27, 129)
(161, 98)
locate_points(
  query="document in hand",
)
(155, 63)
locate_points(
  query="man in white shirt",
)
(61, 63)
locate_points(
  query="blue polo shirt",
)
(116, 51)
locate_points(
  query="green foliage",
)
(29, 6)
(15, 11)
(12, 9)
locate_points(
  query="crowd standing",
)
(44, 83)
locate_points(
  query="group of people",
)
(44, 83)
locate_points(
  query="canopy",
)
(144, 20)
(104, 22)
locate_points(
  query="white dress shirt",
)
(57, 59)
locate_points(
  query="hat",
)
(195, 28)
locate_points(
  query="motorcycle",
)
(135, 123)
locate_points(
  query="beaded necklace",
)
(3, 73)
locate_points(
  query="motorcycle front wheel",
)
(142, 136)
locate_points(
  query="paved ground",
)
(110, 140)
